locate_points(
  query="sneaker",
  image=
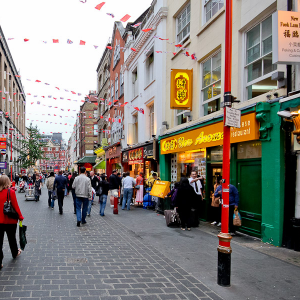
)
(219, 224)
(214, 223)
(78, 224)
(89, 215)
(52, 207)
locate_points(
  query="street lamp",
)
(11, 132)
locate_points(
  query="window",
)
(112, 93)
(117, 87)
(135, 129)
(151, 115)
(181, 119)
(183, 24)
(116, 54)
(96, 130)
(135, 83)
(211, 84)
(116, 130)
(211, 7)
(150, 68)
(121, 84)
(259, 59)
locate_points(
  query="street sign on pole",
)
(233, 117)
(3, 165)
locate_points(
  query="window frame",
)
(151, 120)
(121, 84)
(185, 38)
(205, 3)
(117, 87)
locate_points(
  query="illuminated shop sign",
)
(136, 156)
(211, 135)
(181, 89)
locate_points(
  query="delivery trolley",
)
(29, 193)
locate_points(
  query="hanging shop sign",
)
(160, 189)
(211, 135)
(2, 137)
(181, 89)
(125, 157)
(113, 152)
(286, 37)
(136, 156)
(2, 145)
(148, 152)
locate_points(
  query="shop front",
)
(113, 158)
(142, 159)
(100, 167)
(200, 149)
(88, 162)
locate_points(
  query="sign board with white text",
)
(286, 37)
(233, 117)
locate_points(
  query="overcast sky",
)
(67, 66)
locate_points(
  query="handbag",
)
(99, 191)
(237, 220)
(137, 187)
(8, 209)
(53, 195)
(22, 235)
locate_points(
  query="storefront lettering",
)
(208, 138)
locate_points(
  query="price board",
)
(160, 189)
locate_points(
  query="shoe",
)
(183, 229)
(52, 208)
(83, 222)
(232, 233)
(60, 212)
(74, 212)
(78, 224)
(189, 229)
(219, 224)
(89, 215)
(214, 223)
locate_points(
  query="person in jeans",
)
(83, 190)
(128, 184)
(103, 197)
(50, 187)
(7, 224)
(95, 182)
(60, 183)
(73, 191)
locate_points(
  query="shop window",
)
(259, 59)
(181, 118)
(117, 87)
(211, 84)
(135, 83)
(216, 154)
(151, 119)
(150, 68)
(249, 150)
(211, 7)
(183, 24)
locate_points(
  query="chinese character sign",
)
(181, 89)
(286, 37)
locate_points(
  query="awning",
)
(99, 151)
(101, 165)
(87, 159)
(290, 102)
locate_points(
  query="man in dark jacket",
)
(60, 183)
(114, 184)
(233, 203)
(95, 182)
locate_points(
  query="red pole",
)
(11, 156)
(224, 248)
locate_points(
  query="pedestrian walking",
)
(122, 188)
(50, 188)
(185, 201)
(37, 187)
(7, 224)
(233, 203)
(83, 190)
(114, 184)
(73, 190)
(128, 184)
(104, 186)
(60, 184)
(94, 182)
(195, 183)
(139, 188)
(17, 179)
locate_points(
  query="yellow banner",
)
(210, 136)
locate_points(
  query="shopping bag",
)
(237, 220)
(22, 235)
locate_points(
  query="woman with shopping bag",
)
(10, 213)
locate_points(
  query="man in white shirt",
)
(128, 184)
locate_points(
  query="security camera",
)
(284, 114)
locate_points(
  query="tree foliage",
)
(31, 148)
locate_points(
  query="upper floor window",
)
(181, 118)
(116, 130)
(121, 84)
(151, 115)
(96, 130)
(116, 54)
(135, 83)
(211, 84)
(112, 93)
(211, 7)
(183, 24)
(259, 59)
(117, 88)
(150, 68)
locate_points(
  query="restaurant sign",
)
(181, 89)
(286, 37)
(136, 156)
(211, 135)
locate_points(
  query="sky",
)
(69, 67)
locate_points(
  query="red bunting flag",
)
(125, 18)
(178, 45)
(18, 76)
(57, 87)
(109, 47)
(99, 6)
(3, 98)
(55, 41)
(82, 42)
(133, 49)
(73, 92)
(174, 53)
(147, 29)
(26, 40)
(37, 81)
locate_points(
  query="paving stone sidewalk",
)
(100, 260)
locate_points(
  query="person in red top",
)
(7, 224)
(140, 188)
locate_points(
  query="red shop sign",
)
(136, 156)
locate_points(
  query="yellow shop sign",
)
(211, 135)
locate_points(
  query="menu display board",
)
(160, 189)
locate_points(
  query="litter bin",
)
(296, 233)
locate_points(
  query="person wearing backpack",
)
(102, 192)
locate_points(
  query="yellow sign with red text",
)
(181, 89)
(210, 136)
(160, 189)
